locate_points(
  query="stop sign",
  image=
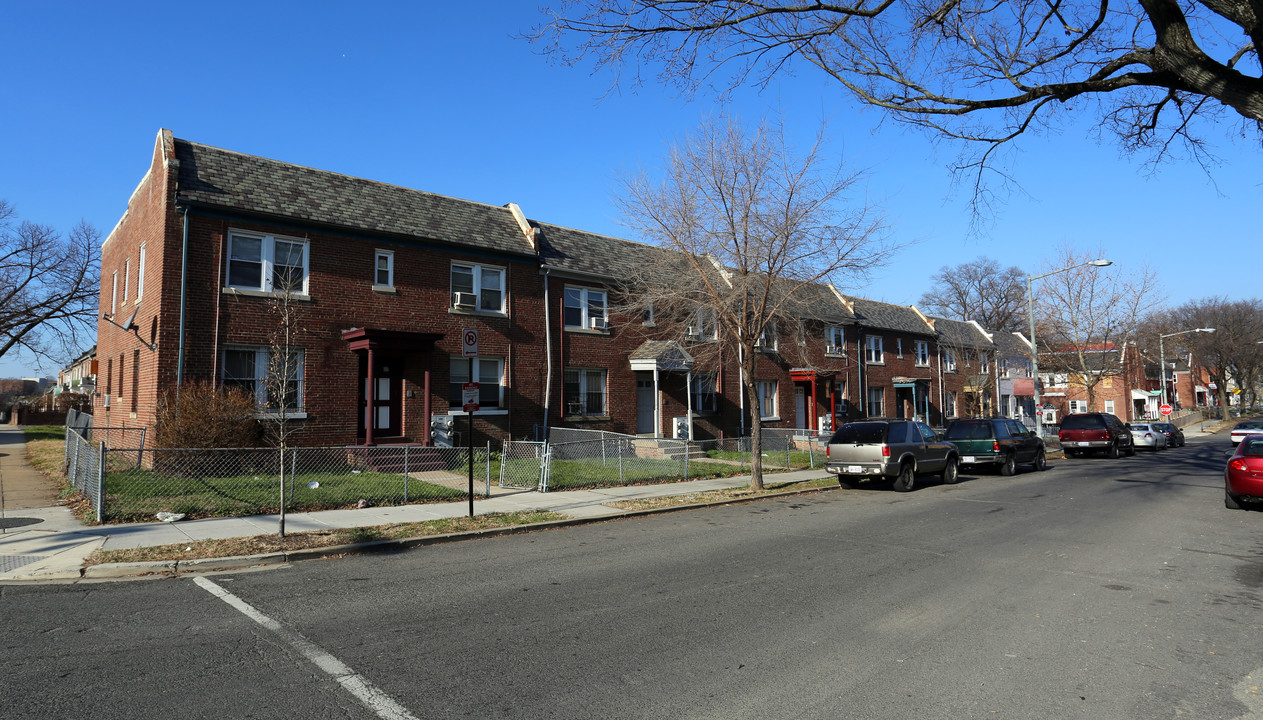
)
(1165, 409)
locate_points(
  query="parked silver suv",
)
(898, 449)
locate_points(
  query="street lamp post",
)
(1030, 307)
(1162, 355)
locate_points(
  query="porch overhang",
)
(389, 340)
(807, 375)
(660, 356)
(908, 382)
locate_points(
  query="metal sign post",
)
(469, 392)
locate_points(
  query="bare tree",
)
(1088, 316)
(979, 290)
(757, 226)
(49, 287)
(285, 359)
(963, 69)
(1232, 352)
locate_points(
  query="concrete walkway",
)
(49, 544)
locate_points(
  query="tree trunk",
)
(756, 435)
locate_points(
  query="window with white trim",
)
(949, 360)
(127, 278)
(702, 393)
(1109, 406)
(876, 407)
(767, 339)
(834, 340)
(899, 348)
(490, 374)
(584, 308)
(258, 373)
(477, 287)
(267, 262)
(584, 392)
(384, 268)
(950, 402)
(873, 349)
(923, 352)
(766, 391)
(984, 362)
(702, 325)
(1078, 406)
(114, 295)
(140, 273)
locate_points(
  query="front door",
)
(386, 412)
(800, 406)
(644, 406)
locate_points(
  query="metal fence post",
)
(487, 462)
(100, 485)
(405, 473)
(74, 461)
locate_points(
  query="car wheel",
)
(1009, 466)
(906, 479)
(1041, 462)
(1112, 453)
(1131, 450)
(1230, 502)
(951, 473)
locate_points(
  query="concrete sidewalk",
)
(49, 544)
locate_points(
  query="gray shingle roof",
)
(601, 256)
(236, 181)
(1010, 345)
(955, 333)
(884, 316)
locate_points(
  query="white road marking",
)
(354, 683)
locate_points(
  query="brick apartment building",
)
(383, 280)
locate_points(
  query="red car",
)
(1243, 478)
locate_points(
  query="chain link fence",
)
(233, 482)
(522, 464)
(83, 465)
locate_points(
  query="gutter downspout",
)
(184, 275)
(548, 354)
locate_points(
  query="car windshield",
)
(860, 433)
(1249, 426)
(1165, 427)
(1083, 422)
(969, 431)
(1135, 426)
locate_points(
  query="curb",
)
(155, 569)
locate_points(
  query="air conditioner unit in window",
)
(691, 332)
(600, 324)
(465, 300)
(833, 349)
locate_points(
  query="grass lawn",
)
(798, 460)
(577, 474)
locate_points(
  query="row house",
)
(79, 376)
(1127, 387)
(218, 253)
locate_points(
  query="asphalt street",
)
(1097, 589)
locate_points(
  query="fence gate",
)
(522, 464)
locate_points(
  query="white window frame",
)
(460, 365)
(267, 260)
(647, 319)
(767, 339)
(835, 336)
(127, 278)
(705, 325)
(262, 356)
(950, 400)
(874, 352)
(389, 256)
(949, 360)
(477, 270)
(703, 400)
(876, 396)
(585, 306)
(584, 380)
(765, 390)
(1078, 406)
(114, 295)
(984, 362)
(140, 274)
(921, 350)
(1109, 407)
(899, 348)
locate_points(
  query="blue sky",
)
(434, 97)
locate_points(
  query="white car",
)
(1145, 435)
(1247, 427)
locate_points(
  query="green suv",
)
(997, 442)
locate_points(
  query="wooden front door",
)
(387, 410)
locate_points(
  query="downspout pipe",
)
(548, 354)
(184, 276)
